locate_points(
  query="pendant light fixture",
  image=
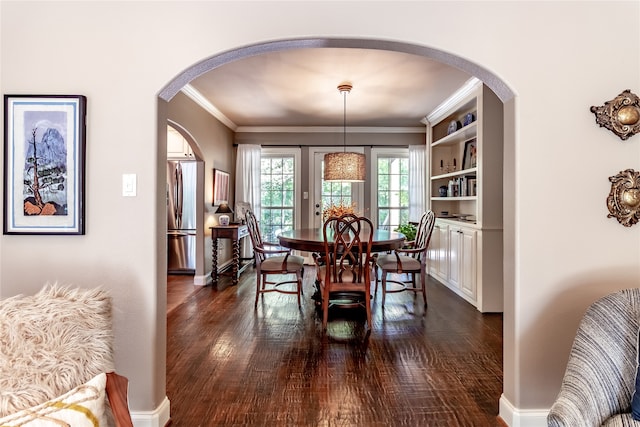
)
(344, 166)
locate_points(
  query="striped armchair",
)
(600, 377)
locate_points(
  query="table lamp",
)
(224, 209)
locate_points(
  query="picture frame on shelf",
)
(470, 158)
(220, 186)
(44, 164)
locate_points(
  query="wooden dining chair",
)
(344, 268)
(272, 259)
(411, 260)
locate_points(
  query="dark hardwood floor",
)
(228, 365)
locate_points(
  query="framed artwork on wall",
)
(44, 164)
(220, 187)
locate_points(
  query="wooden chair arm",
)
(398, 252)
(117, 390)
(410, 251)
(271, 251)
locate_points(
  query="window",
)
(392, 190)
(278, 195)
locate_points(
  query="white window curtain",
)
(248, 182)
(417, 181)
(248, 176)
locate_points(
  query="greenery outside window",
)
(392, 191)
(277, 195)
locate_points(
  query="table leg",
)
(214, 261)
(236, 260)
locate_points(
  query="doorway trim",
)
(491, 80)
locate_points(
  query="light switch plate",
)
(129, 185)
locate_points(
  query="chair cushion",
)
(390, 262)
(84, 405)
(294, 262)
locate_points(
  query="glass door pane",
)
(328, 193)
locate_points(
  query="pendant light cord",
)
(344, 121)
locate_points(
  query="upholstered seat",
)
(272, 259)
(599, 381)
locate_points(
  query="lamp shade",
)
(224, 208)
(344, 166)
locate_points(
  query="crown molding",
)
(328, 129)
(443, 109)
(199, 99)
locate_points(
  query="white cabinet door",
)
(455, 256)
(438, 252)
(468, 263)
(433, 253)
(462, 260)
(175, 148)
(177, 145)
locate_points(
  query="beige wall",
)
(557, 57)
(215, 145)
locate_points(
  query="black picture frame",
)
(470, 157)
(44, 164)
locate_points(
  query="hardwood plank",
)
(228, 365)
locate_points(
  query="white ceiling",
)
(298, 87)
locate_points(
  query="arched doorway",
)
(499, 87)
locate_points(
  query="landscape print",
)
(45, 163)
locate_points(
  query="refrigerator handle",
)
(179, 196)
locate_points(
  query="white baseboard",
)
(515, 417)
(156, 418)
(202, 280)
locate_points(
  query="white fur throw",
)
(52, 342)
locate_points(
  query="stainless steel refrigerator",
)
(181, 216)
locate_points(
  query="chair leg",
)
(375, 277)
(423, 283)
(367, 299)
(384, 286)
(258, 279)
(325, 308)
(299, 285)
(301, 277)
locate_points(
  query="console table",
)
(234, 232)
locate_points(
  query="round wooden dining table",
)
(312, 240)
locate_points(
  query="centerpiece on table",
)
(338, 210)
